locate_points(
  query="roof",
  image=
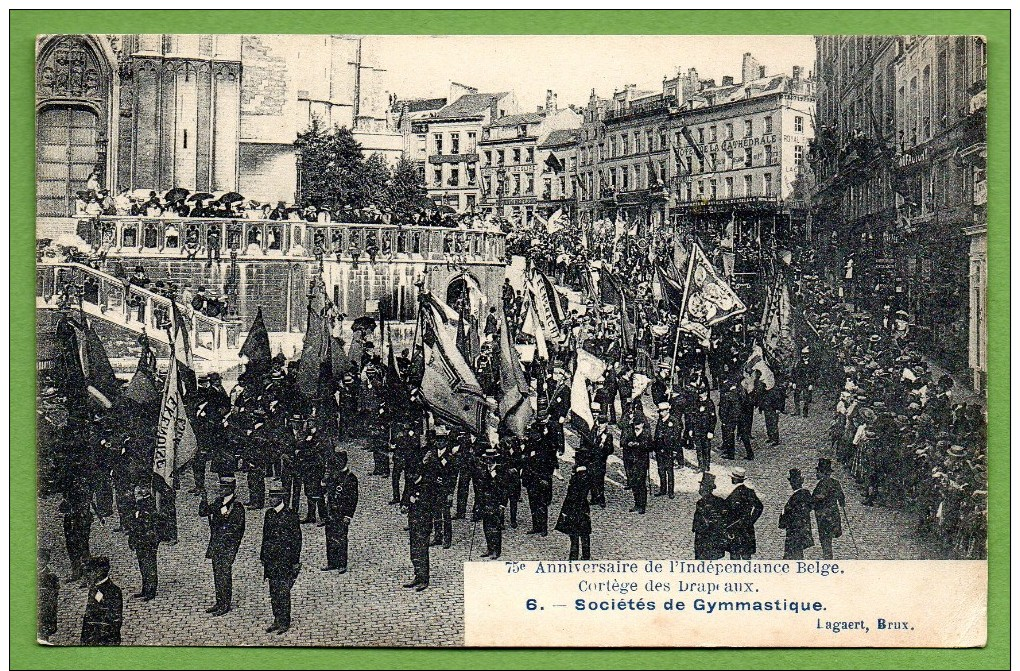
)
(518, 119)
(419, 104)
(470, 105)
(559, 137)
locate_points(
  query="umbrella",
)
(446, 209)
(176, 194)
(141, 194)
(201, 195)
(231, 197)
(363, 324)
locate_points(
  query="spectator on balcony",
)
(123, 203)
(311, 214)
(355, 253)
(191, 243)
(371, 247)
(323, 217)
(198, 300)
(152, 207)
(212, 240)
(107, 204)
(213, 306)
(279, 213)
(93, 207)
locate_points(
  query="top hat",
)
(824, 466)
(795, 475)
(708, 479)
(101, 564)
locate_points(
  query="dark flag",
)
(686, 132)
(612, 294)
(143, 389)
(555, 164)
(671, 286)
(256, 347)
(316, 345)
(514, 405)
(98, 372)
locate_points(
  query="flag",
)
(612, 294)
(143, 389)
(777, 327)
(670, 286)
(588, 367)
(175, 439)
(533, 327)
(708, 299)
(316, 343)
(98, 371)
(514, 405)
(448, 387)
(555, 164)
(554, 224)
(547, 306)
(256, 347)
(653, 174)
(689, 137)
(756, 362)
(681, 164)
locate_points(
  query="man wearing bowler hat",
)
(710, 520)
(796, 518)
(827, 498)
(744, 510)
(226, 528)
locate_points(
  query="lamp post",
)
(501, 190)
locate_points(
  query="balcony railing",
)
(262, 238)
(130, 306)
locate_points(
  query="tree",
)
(406, 193)
(375, 177)
(332, 168)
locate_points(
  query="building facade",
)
(510, 161)
(452, 146)
(900, 187)
(203, 112)
(557, 159)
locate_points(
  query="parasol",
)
(176, 194)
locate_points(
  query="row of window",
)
(623, 179)
(511, 156)
(453, 177)
(450, 144)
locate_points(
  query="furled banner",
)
(175, 439)
(547, 306)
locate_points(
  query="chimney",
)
(749, 69)
(727, 80)
(761, 71)
(796, 73)
(550, 100)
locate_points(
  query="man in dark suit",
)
(226, 528)
(491, 480)
(143, 538)
(104, 612)
(419, 503)
(709, 524)
(636, 445)
(540, 462)
(796, 518)
(280, 555)
(575, 515)
(665, 443)
(341, 501)
(729, 417)
(701, 427)
(600, 447)
(744, 510)
(827, 499)
(77, 512)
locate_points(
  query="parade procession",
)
(302, 440)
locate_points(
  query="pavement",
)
(368, 607)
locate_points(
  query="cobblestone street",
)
(368, 607)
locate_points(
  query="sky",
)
(422, 66)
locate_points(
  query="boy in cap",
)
(226, 528)
(104, 612)
(827, 499)
(710, 521)
(796, 518)
(667, 438)
(744, 510)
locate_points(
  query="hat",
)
(824, 466)
(708, 479)
(957, 450)
(875, 338)
(795, 475)
(101, 564)
(276, 374)
(275, 487)
(213, 377)
(228, 480)
(663, 406)
(738, 475)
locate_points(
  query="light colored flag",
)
(555, 222)
(175, 439)
(589, 368)
(708, 299)
(533, 327)
(514, 406)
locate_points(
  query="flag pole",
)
(683, 308)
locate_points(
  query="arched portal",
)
(73, 88)
(465, 289)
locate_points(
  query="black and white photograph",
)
(321, 318)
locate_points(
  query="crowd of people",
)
(896, 431)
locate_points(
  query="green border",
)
(25, 24)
